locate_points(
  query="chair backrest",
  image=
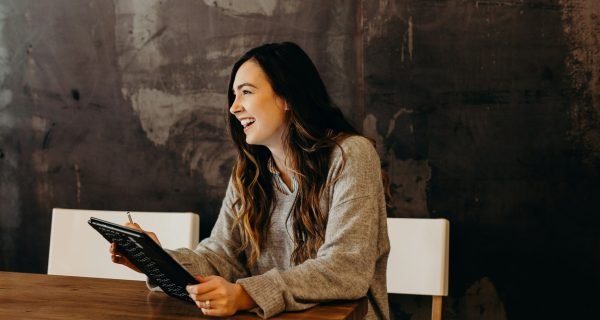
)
(418, 260)
(76, 249)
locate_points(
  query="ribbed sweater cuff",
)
(266, 292)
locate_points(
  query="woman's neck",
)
(283, 167)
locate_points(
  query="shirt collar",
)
(280, 184)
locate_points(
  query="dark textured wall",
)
(486, 113)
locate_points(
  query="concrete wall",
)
(486, 113)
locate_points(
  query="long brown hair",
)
(314, 129)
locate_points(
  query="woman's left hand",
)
(216, 296)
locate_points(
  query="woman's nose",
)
(235, 106)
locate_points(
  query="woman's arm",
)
(217, 254)
(216, 263)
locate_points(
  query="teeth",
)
(247, 121)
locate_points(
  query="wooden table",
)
(41, 296)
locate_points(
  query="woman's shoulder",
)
(355, 162)
(355, 147)
(355, 143)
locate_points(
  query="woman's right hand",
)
(117, 257)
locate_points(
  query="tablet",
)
(147, 256)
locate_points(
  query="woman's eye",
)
(246, 92)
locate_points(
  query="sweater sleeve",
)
(344, 265)
(217, 254)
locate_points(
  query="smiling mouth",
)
(246, 123)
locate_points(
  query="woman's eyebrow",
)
(245, 84)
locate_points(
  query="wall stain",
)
(158, 110)
(481, 301)
(75, 94)
(137, 24)
(520, 3)
(5, 60)
(408, 177)
(78, 182)
(581, 25)
(245, 7)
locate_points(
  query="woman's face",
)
(259, 109)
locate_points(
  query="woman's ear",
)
(281, 102)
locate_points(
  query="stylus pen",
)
(129, 216)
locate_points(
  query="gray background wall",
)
(486, 113)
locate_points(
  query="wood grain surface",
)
(41, 296)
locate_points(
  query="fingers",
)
(133, 225)
(204, 287)
(202, 293)
(202, 279)
(213, 296)
(214, 308)
(115, 256)
(153, 236)
(118, 258)
(149, 233)
(206, 304)
(216, 312)
(114, 253)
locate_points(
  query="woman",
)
(303, 220)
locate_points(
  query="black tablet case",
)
(147, 256)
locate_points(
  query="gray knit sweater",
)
(350, 264)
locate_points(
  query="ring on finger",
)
(207, 304)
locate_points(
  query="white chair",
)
(418, 260)
(76, 249)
